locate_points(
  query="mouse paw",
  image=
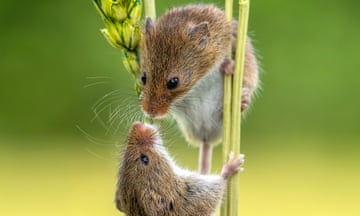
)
(233, 165)
(227, 66)
(245, 99)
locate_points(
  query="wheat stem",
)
(150, 9)
(234, 208)
(227, 112)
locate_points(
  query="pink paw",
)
(227, 66)
(232, 166)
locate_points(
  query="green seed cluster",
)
(122, 18)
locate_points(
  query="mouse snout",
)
(155, 106)
(155, 110)
(139, 126)
(142, 132)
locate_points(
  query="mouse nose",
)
(154, 108)
(152, 113)
(139, 126)
(146, 109)
(155, 112)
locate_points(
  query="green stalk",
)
(236, 100)
(227, 111)
(150, 9)
(227, 94)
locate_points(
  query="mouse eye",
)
(143, 78)
(144, 159)
(173, 83)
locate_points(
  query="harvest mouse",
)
(151, 184)
(182, 59)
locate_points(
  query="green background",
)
(301, 137)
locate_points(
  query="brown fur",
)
(192, 43)
(170, 49)
(160, 188)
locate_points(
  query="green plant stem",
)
(227, 94)
(236, 100)
(150, 9)
(227, 111)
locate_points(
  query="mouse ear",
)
(149, 25)
(200, 32)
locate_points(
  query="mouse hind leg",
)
(227, 67)
(251, 70)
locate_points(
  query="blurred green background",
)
(301, 137)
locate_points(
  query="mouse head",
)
(145, 171)
(144, 147)
(175, 54)
(145, 156)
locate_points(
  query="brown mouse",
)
(182, 59)
(151, 184)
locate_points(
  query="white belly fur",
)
(199, 114)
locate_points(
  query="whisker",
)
(99, 119)
(105, 96)
(104, 101)
(94, 84)
(129, 120)
(97, 141)
(96, 155)
(106, 106)
(98, 77)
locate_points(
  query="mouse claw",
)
(241, 158)
(233, 165)
(227, 66)
(231, 156)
